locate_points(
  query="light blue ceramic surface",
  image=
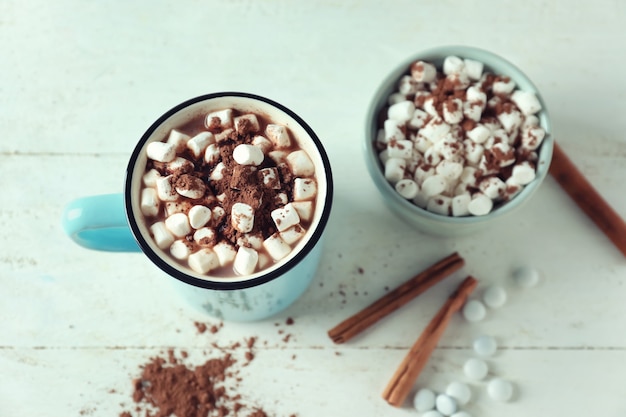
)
(420, 218)
(113, 222)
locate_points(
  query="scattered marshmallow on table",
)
(460, 392)
(500, 389)
(526, 277)
(445, 404)
(432, 413)
(424, 400)
(474, 310)
(485, 345)
(494, 296)
(475, 369)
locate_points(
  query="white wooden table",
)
(81, 81)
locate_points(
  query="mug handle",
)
(99, 222)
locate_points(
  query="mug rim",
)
(379, 101)
(227, 284)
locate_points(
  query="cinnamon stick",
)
(405, 376)
(395, 299)
(587, 198)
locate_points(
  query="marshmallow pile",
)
(231, 198)
(460, 141)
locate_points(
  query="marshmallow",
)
(492, 187)
(407, 85)
(400, 149)
(149, 202)
(473, 111)
(424, 400)
(473, 152)
(285, 217)
(198, 144)
(218, 214)
(247, 123)
(179, 164)
(223, 118)
(178, 139)
(510, 121)
(439, 204)
(150, 177)
(396, 98)
(453, 65)
(278, 135)
(445, 404)
(394, 169)
(503, 86)
(474, 94)
(480, 205)
(526, 101)
(460, 204)
(199, 216)
(245, 154)
(435, 130)
(512, 189)
(218, 172)
(162, 236)
(434, 185)
(383, 156)
(178, 224)
(262, 143)
(173, 207)
(503, 154)
(475, 369)
(304, 189)
(281, 199)
(422, 144)
(418, 119)
(459, 81)
(160, 151)
(300, 164)
(242, 217)
(429, 106)
(224, 135)
(205, 236)
(190, 186)
(422, 172)
(449, 149)
(180, 249)
(264, 261)
(420, 200)
(212, 154)
(277, 156)
(423, 71)
(393, 131)
(407, 188)
(225, 253)
(479, 134)
(164, 188)
(402, 111)
(221, 197)
(453, 111)
(473, 69)
(530, 121)
(532, 137)
(460, 392)
(468, 176)
(254, 241)
(203, 261)
(293, 234)
(245, 260)
(269, 177)
(432, 155)
(276, 247)
(304, 209)
(500, 389)
(449, 170)
(523, 173)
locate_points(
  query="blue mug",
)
(114, 222)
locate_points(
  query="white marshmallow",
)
(512, 189)
(218, 172)
(432, 155)
(254, 241)
(424, 400)
(453, 65)
(279, 135)
(293, 234)
(407, 85)
(276, 247)
(262, 143)
(459, 81)
(223, 135)
(445, 404)
(225, 253)
(242, 217)
(494, 296)
(510, 121)
(160, 151)
(422, 144)
(460, 392)
(300, 164)
(473, 69)
(402, 111)
(245, 260)
(252, 124)
(304, 189)
(149, 202)
(532, 137)
(523, 173)
(480, 205)
(526, 101)
(479, 134)
(473, 111)
(205, 236)
(150, 177)
(264, 261)
(393, 131)
(503, 86)
(383, 156)
(474, 94)
(180, 249)
(195, 191)
(468, 176)
(407, 188)
(418, 120)
(500, 389)
(449, 170)
(198, 144)
(439, 204)
(178, 224)
(460, 188)
(453, 111)
(164, 188)
(530, 121)
(394, 169)
(492, 187)
(400, 149)
(225, 118)
(421, 200)
(178, 139)
(212, 154)
(423, 71)
(475, 369)
(161, 235)
(285, 217)
(434, 185)
(221, 197)
(277, 156)
(473, 152)
(449, 148)
(173, 207)
(429, 106)
(281, 199)
(422, 172)
(203, 261)
(460, 204)
(180, 164)
(269, 177)
(245, 154)
(218, 214)
(199, 216)
(304, 209)
(396, 98)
